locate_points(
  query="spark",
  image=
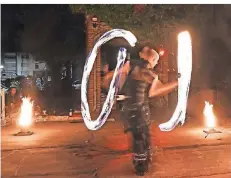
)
(107, 106)
(184, 61)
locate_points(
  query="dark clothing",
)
(139, 92)
(15, 100)
(136, 115)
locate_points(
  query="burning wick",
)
(25, 118)
(210, 119)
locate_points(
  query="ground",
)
(64, 150)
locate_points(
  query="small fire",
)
(209, 115)
(25, 119)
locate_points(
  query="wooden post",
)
(3, 113)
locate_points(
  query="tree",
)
(11, 27)
(153, 22)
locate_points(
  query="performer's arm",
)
(159, 89)
(124, 72)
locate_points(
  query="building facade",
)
(20, 64)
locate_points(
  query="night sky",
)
(48, 31)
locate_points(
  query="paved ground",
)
(62, 149)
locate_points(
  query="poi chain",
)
(184, 61)
(107, 106)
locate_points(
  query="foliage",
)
(152, 22)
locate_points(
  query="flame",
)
(25, 119)
(209, 115)
(184, 63)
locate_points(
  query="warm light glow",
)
(94, 19)
(25, 118)
(161, 53)
(184, 62)
(209, 115)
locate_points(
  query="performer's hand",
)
(108, 77)
(125, 68)
(176, 87)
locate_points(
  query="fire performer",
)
(141, 84)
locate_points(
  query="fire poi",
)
(184, 62)
(25, 118)
(184, 68)
(107, 106)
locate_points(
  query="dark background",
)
(56, 35)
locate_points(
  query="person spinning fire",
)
(141, 84)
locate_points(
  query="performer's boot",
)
(140, 163)
(140, 157)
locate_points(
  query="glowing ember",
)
(209, 115)
(25, 118)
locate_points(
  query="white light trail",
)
(184, 61)
(107, 106)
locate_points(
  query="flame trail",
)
(96, 124)
(185, 69)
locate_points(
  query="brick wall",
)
(91, 83)
(94, 85)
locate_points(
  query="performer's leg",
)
(146, 130)
(140, 152)
(148, 145)
(137, 127)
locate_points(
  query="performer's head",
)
(147, 53)
(13, 91)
